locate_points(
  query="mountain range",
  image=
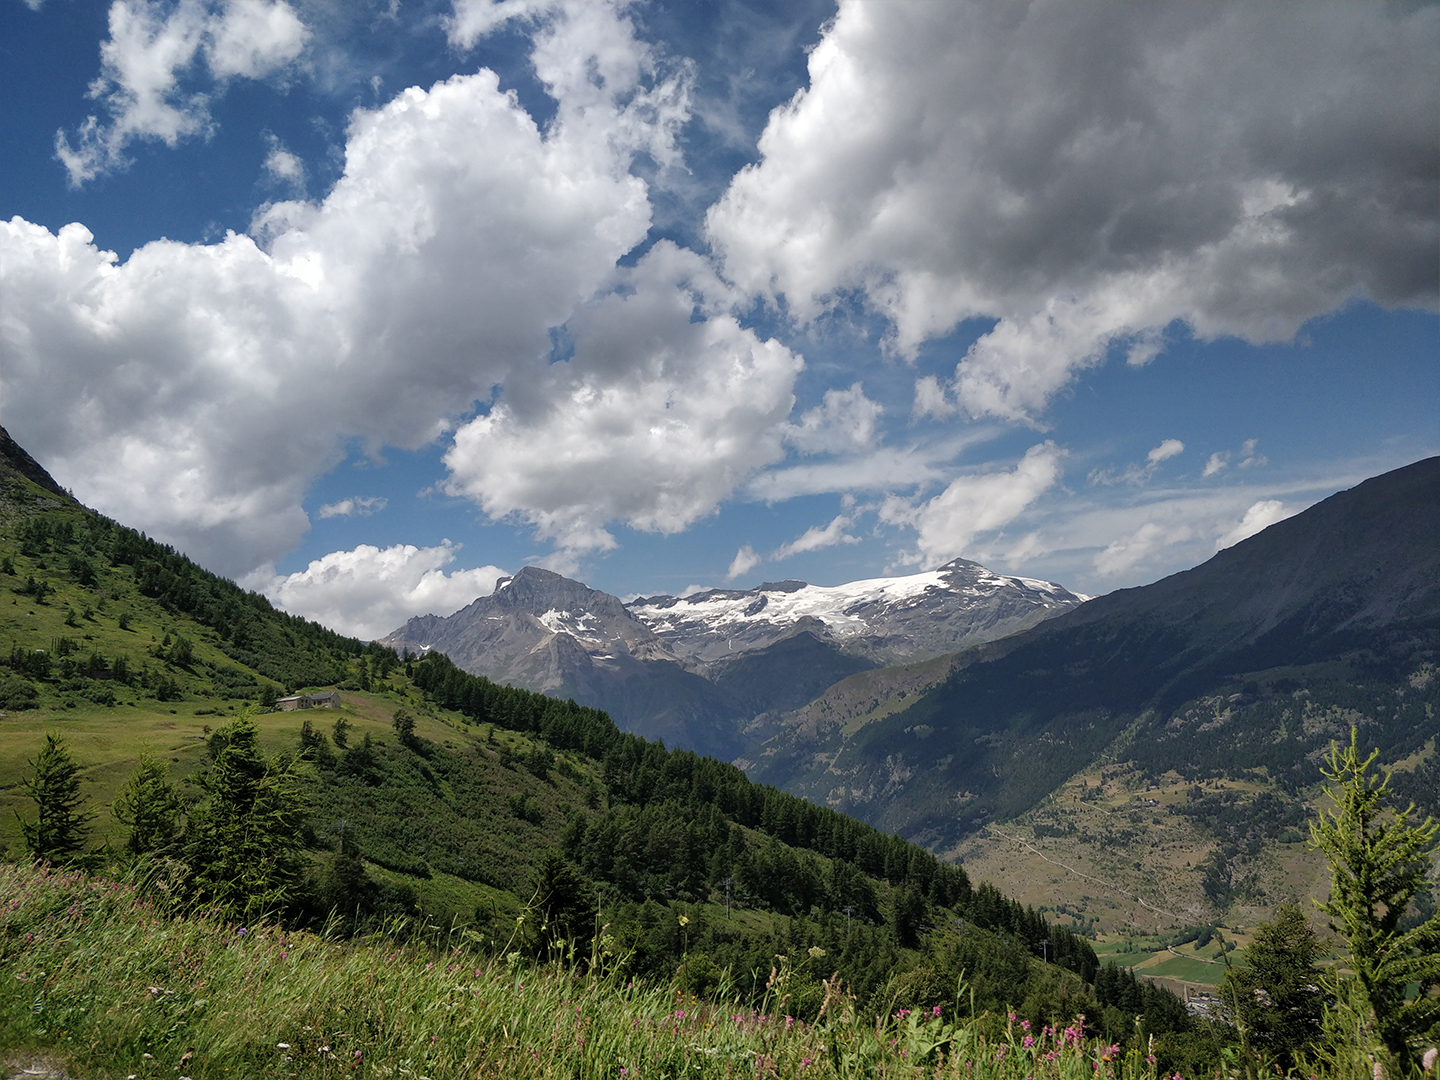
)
(708, 671)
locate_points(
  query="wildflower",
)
(1427, 1059)
(684, 920)
(1024, 1025)
(935, 1012)
(1028, 1041)
(816, 952)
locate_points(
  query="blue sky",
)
(406, 295)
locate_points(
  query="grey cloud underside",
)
(711, 671)
(1142, 125)
(1090, 172)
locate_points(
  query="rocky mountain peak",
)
(537, 591)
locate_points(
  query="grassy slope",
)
(104, 983)
(108, 740)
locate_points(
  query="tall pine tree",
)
(59, 833)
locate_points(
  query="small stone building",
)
(325, 699)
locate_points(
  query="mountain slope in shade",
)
(1348, 589)
(710, 672)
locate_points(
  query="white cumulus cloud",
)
(357, 507)
(1088, 173)
(745, 560)
(844, 420)
(1165, 451)
(1260, 515)
(150, 46)
(368, 591)
(976, 503)
(196, 390)
(655, 418)
(818, 537)
(1125, 554)
(283, 166)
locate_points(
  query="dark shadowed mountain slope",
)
(15, 459)
(1349, 589)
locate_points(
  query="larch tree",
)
(1378, 860)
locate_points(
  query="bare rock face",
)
(548, 633)
(698, 671)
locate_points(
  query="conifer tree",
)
(149, 806)
(562, 909)
(59, 833)
(243, 842)
(1277, 991)
(1378, 861)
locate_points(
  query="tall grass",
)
(93, 971)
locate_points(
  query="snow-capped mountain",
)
(696, 670)
(887, 619)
